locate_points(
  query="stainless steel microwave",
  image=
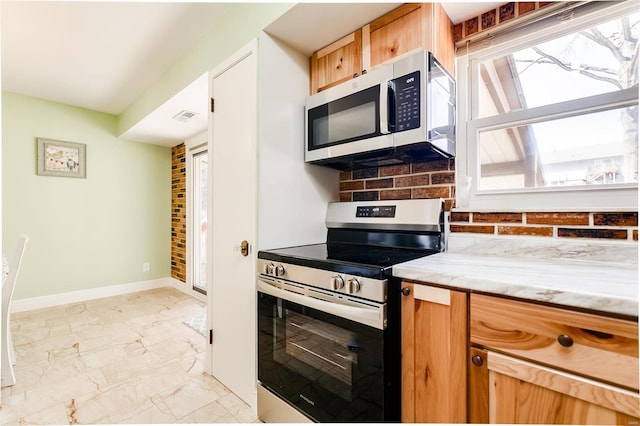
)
(396, 113)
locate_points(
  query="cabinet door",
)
(478, 386)
(337, 62)
(434, 342)
(523, 392)
(410, 27)
(393, 34)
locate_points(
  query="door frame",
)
(192, 150)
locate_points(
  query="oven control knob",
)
(279, 271)
(337, 283)
(269, 269)
(353, 286)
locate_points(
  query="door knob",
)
(244, 248)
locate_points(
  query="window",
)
(549, 117)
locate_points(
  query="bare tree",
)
(623, 45)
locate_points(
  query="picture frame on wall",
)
(60, 158)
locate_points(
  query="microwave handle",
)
(384, 106)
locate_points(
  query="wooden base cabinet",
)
(478, 386)
(523, 392)
(434, 342)
(537, 364)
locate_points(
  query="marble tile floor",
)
(128, 359)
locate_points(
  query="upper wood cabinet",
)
(337, 62)
(434, 348)
(408, 28)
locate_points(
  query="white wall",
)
(292, 195)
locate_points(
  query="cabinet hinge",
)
(211, 337)
(213, 105)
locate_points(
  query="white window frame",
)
(468, 197)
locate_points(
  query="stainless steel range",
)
(329, 314)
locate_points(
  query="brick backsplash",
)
(429, 179)
(178, 213)
(595, 225)
(493, 18)
(436, 179)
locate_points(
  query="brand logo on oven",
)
(307, 400)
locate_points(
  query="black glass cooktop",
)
(355, 259)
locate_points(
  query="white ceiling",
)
(104, 55)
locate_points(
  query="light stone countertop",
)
(598, 276)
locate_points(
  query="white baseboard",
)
(183, 287)
(21, 305)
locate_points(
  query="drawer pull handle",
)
(406, 291)
(598, 334)
(565, 340)
(477, 360)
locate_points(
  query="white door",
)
(233, 160)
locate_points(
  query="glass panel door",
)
(199, 223)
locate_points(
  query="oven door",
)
(320, 357)
(350, 118)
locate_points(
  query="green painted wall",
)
(84, 233)
(241, 23)
(98, 231)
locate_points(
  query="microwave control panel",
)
(405, 95)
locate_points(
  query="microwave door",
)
(348, 119)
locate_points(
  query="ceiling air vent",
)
(184, 115)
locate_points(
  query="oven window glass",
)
(331, 368)
(322, 349)
(347, 119)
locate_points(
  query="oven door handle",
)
(372, 316)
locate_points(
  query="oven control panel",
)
(362, 287)
(376, 211)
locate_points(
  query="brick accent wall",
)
(495, 17)
(606, 225)
(179, 213)
(430, 179)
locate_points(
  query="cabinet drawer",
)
(591, 345)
